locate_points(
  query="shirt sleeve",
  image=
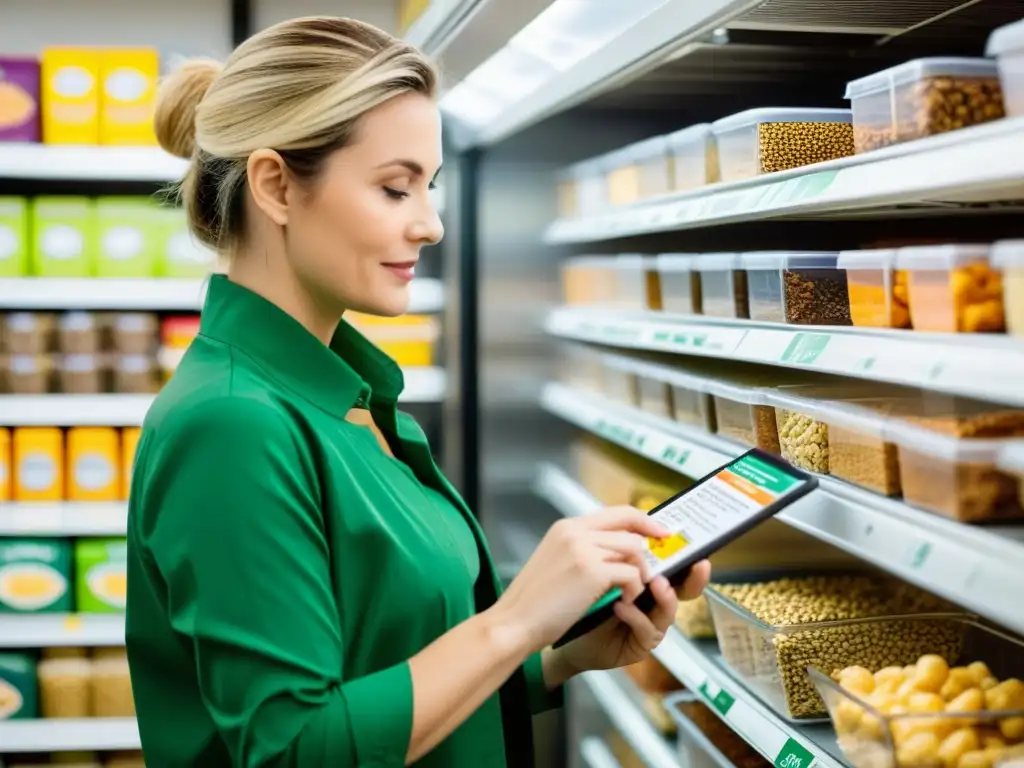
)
(541, 699)
(237, 533)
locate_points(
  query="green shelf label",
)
(675, 455)
(793, 755)
(805, 348)
(722, 701)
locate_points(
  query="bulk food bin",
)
(1011, 460)
(568, 193)
(878, 291)
(638, 171)
(629, 276)
(742, 413)
(693, 157)
(1007, 45)
(923, 97)
(619, 381)
(798, 288)
(591, 186)
(589, 280)
(1008, 258)
(952, 288)
(857, 449)
(581, 367)
(679, 283)
(703, 740)
(723, 285)
(865, 621)
(777, 139)
(961, 704)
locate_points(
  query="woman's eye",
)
(395, 194)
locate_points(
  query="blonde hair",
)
(298, 87)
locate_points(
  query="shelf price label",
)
(805, 348)
(793, 755)
(627, 436)
(675, 455)
(720, 700)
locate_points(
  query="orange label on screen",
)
(747, 488)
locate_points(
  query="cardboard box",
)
(128, 96)
(93, 464)
(179, 253)
(19, 99)
(19, 698)
(14, 233)
(101, 575)
(127, 237)
(71, 95)
(35, 576)
(38, 464)
(64, 237)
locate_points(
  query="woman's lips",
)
(403, 270)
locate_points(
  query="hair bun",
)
(177, 101)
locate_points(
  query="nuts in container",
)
(953, 288)
(770, 632)
(921, 98)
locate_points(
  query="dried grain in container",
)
(622, 176)
(653, 162)
(630, 278)
(693, 155)
(1008, 258)
(588, 280)
(679, 283)
(654, 394)
(803, 434)
(878, 291)
(619, 380)
(697, 748)
(952, 288)
(64, 687)
(923, 97)
(1011, 461)
(857, 449)
(1006, 44)
(778, 139)
(691, 403)
(814, 289)
(112, 688)
(742, 413)
(953, 476)
(723, 285)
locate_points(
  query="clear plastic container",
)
(689, 399)
(878, 292)
(568, 194)
(764, 286)
(797, 288)
(923, 97)
(655, 396)
(630, 276)
(1008, 257)
(654, 164)
(1007, 45)
(693, 154)
(591, 187)
(589, 280)
(952, 288)
(693, 619)
(680, 283)
(777, 139)
(857, 449)
(803, 435)
(704, 741)
(772, 660)
(1011, 460)
(744, 415)
(964, 705)
(581, 367)
(620, 382)
(723, 285)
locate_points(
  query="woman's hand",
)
(630, 635)
(577, 562)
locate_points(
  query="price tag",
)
(720, 700)
(675, 455)
(793, 755)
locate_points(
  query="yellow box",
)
(38, 464)
(409, 353)
(409, 11)
(128, 78)
(5, 464)
(129, 443)
(93, 464)
(71, 96)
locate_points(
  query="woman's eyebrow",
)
(411, 165)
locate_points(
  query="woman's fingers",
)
(700, 575)
(628, 546)
(626, 519)
(626, 576)
(647, 635)
(664, 612)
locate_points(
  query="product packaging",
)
(35, 576)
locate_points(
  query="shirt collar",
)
(334, 378)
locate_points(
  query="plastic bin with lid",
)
(568, 193)
(638, 171)
(771, 630)
(693, 155)
(923, 97)
(653, 392)
(591, 186)
(580, 367)
(952, 288)
(1008, 258)
(679, 283)
(629, 272)
(1011, 461)
(777, 139)
(723, 285)
(1006, 44)
(589, 280)
(964, 705)
(742, 414)
(799, 288)
(619, 380)
(877, 290)
(687, 399)
(704, 741)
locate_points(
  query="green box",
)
(101, 575)
(35, 576)
(14, 245)
(63, 237)
(19, 693)
(128, 237)
(180, 254)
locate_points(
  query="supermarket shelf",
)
(563, 493)
(596, 755)
(697, 666)
(987, 367)
(69, 735)
(978, 164)
(89, 163)
(50, 630)
(154, 294)
(629, 721)
(63, 518)
(979, 568)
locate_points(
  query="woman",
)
(305, 588)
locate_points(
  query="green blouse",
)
(282, 568)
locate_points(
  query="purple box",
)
(19, 100)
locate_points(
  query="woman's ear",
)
(268, 184)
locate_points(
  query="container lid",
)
(675, 262)
(715, 262)
(789, 260)
(1011, 457)
(633, 262)
(875, 258)
(941, 256)
(921, 69)
(648, 148)
(1008, 253)
(589, 168)
(749, 395)
(1006, 39)
(695, 133)
(782, 115)
(920, 439)
(585, 261)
